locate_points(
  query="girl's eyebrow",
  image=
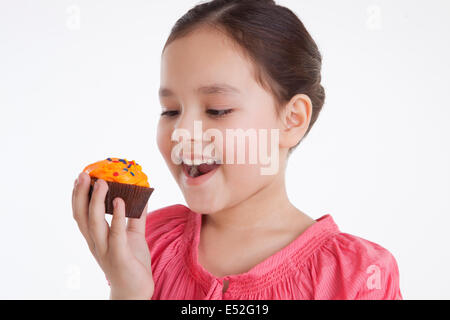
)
(216, 88)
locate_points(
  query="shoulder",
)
(356, 268)
(358, 250)
(165, 225)
(170, 214)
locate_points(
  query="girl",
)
(233, 65)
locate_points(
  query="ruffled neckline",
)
(281, 264)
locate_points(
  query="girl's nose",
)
(186, 121)
(191, 131)
(192, 124)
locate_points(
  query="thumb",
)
(138, 225)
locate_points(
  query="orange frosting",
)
(118, 170)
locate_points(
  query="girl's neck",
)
(267, 209)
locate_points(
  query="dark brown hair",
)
(286, 59)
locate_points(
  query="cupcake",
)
(126, 180)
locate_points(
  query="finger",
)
(98, 226)
(138, 225)
(117, 234)
(80, 206)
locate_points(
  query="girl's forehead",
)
(204, 51)
(207, 58)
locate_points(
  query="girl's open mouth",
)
(197, 174)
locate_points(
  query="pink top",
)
(322, 263)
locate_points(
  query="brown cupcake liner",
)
(135, 197)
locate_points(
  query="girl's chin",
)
(201, 209)
(202, 194)
(203, 203)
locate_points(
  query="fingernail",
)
(115, 203)
(80, 177)
(96, 185)
(75, 183)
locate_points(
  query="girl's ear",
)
(295, 118)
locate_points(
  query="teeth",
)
(198, 162)
(194, 162)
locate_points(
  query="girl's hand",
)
(120, 250)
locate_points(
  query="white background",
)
(73, 93)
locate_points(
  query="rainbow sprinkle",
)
(128, 164)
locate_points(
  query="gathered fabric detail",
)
(321, 263)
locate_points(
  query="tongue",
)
(205, 168)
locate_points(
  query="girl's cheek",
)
(163, 140)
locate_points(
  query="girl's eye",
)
(212, 112)
(218, 113)
(169, 113)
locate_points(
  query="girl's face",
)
(198, 74)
